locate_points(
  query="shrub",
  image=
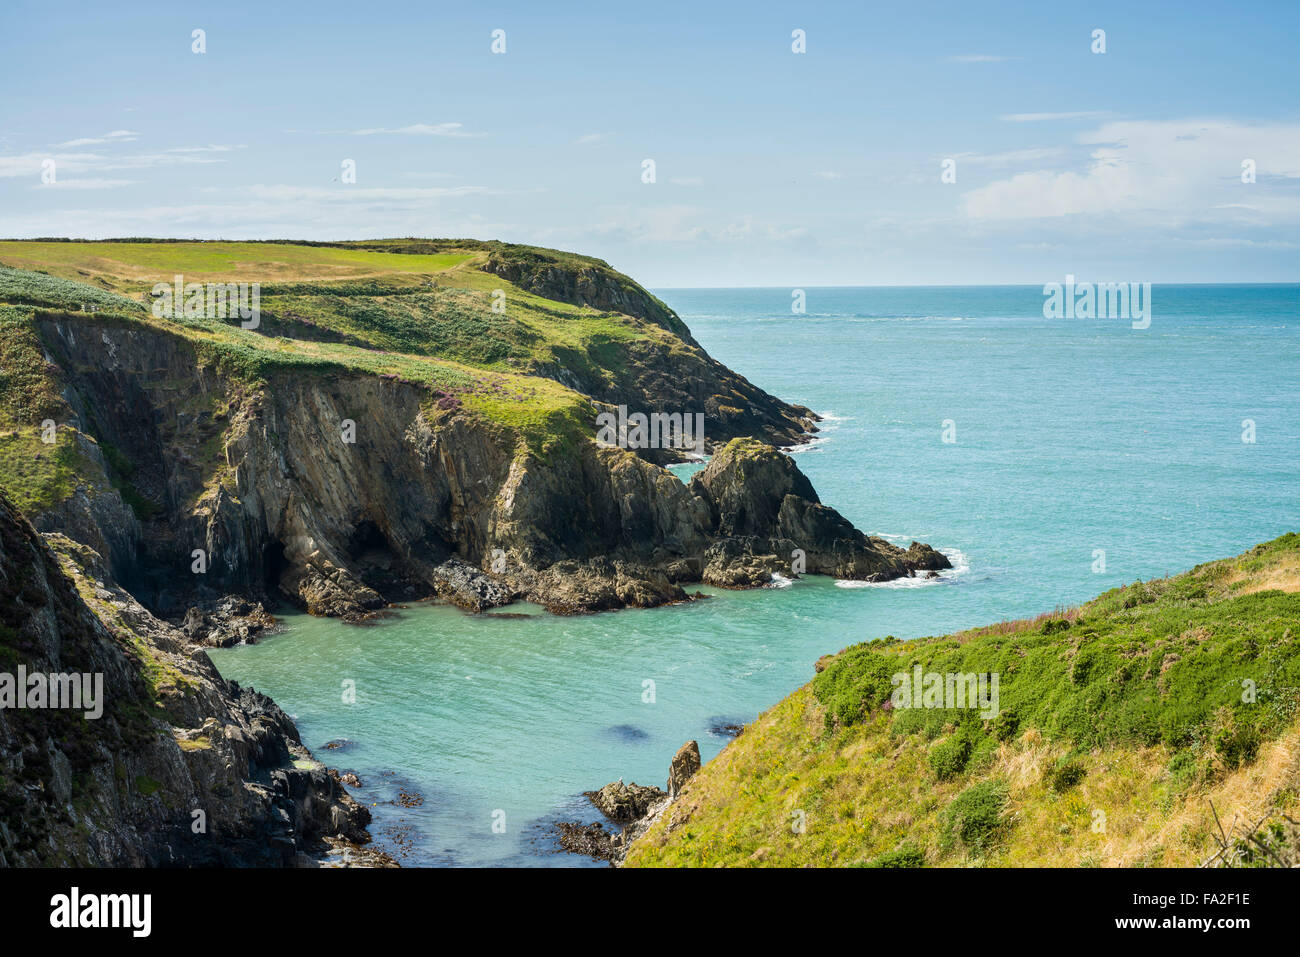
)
(948, 758)
(855, 682)
(1065, 773)
(974, 818)
(905, 855)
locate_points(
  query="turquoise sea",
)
(1072, 438)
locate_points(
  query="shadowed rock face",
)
(173, 738)
(426, 501)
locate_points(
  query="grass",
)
(39, 476)
(416, 311)
(136, 266)
(1120, 722)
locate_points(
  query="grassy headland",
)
(417, 311)
(1134, 730)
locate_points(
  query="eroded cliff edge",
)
(383, 434)
(423, 500)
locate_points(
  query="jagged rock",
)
(624, 803)
(766, 509)
(464, 585)
(684, 765)
(173, 736)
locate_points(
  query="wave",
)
(829, 423)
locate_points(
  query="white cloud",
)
(827, 174)
(1023, 157)
(30, 164)
(1157, 171)
(117, 136)
(590, 138)
(89, 183)
(205, 149)
(456, 130)
(349, 194)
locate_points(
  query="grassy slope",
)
(1122, 720)
(420, 311)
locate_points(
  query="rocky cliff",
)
(421, 501)
(180, 768)
(387, 434)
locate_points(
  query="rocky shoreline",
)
(428, 502)
(182, 769)
(210, 476)
(632, 808)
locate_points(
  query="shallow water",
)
(1071, 436)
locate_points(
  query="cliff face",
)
(181, 768)
(386, 434)
(421, 501)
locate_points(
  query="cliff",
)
(396, 420)
(180, 768)
(205, 460)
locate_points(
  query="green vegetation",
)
(419, 312)
(38, 476)
(141, 264)
(1119, 722)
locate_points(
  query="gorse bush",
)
(905, 855)
(974, 818)
(20, 286)
(1159, 664)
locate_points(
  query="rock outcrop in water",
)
(182, 768)
(634, 808)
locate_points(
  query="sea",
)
(1051, 459)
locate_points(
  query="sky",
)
(771, 167)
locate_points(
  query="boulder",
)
(624, 803)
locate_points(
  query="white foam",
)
(960, 567)
(829, 423)
(780, 581)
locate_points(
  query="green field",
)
(137, 266)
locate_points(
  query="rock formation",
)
(181, 768)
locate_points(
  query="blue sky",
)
(772, 168)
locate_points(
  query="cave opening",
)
(274, 565)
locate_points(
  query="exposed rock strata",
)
(426, 501)
(633, 807)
